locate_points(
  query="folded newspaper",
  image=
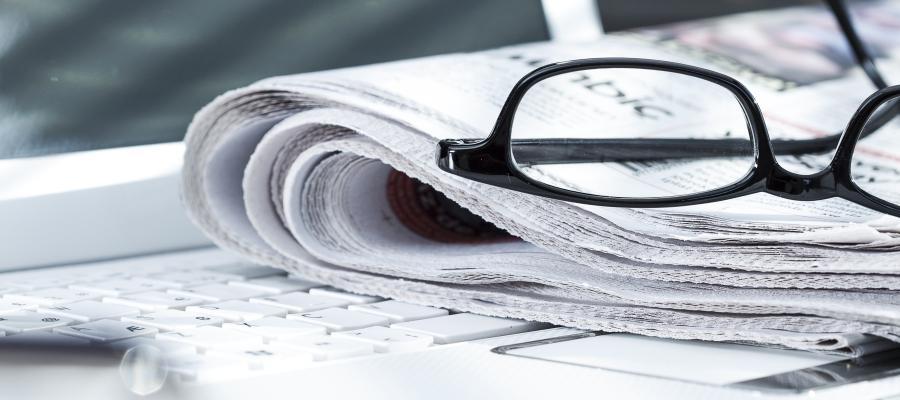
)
(332, 176)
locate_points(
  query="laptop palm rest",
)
(718, 364)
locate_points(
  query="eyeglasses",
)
(649, 133)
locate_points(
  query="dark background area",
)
(88, 74)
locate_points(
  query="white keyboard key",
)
(13, 306)
(30, 321)
(106, 330)
(155, 301)
(462, 327)
(276, 284)
(242, 271)
(398, 311)
(218, 292)
(89, 310)
(41, 338)
(237, 310)
(328, 347)
(166, 347)
(181, 279)
(353, 298)
(265, 356)
(51, 296)
(212, 336)
(41, 282)
(387, 340)
(273, 328)
(203, 369)
(119, 287)
(173, 320)
(300, 302)
(339, 319)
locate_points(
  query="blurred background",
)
(90, 74)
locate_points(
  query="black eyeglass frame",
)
(491, 160)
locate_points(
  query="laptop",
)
(108, 291)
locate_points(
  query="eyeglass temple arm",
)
(569, 151)
(860, 53)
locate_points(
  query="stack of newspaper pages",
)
(332, 176)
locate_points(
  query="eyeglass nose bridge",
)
(789, 185)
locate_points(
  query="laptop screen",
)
(92, 74)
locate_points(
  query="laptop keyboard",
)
(212, 320)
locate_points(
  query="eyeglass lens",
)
(874, 163)
(631, 133)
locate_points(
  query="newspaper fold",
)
(331, 176)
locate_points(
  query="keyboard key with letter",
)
(30, 321)
(352, 298)
(264, 356)
(89, 310)
(106, 330)
(328, 347)
(398, 311)
(237, 310)
(339, 319)
(155, 301)
(272, 328)
(51, 296)
(173, 320)
(218, 292)
(277, 284)
(212, 336)
(300, 302)
(119, 287)
(387, 340)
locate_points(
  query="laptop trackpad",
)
(705, 362)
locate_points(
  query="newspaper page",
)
(331, 175)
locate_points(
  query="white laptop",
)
(108, 291)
